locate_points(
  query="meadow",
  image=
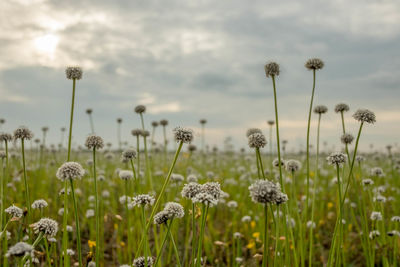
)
(167, 202)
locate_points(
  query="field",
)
(166, 202)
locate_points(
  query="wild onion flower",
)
(374, 234)
(184, 135)
(73, 73)
(140, 262)
(267, 192)
(366, 182)
(395, 219)
(6, 137)
(341, 107)
(320, 109)
(125, 199)
(337, 158)
(314, 64)
(89, 213)
(161, 217)
(20, 249)
(376, 171)
(143, 200)
(275, 162)
(246, 219)
(39, 204)
(164, 122)
(46, 226)
(364, 115)
(292, 165)
(253, 131)
(125, 175)
(232, 204)
(14, 211)
(70, 170)
(174, 210)
(140, 109)
(347, 138)
(94, 142)
(129, 154)
(271, 69)
(271, 122)
(136, 132)
(257, 140)
(311, 224)
(376, 216)
(23, 133)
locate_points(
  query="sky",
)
(188, 60)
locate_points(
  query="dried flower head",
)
(314, 64)
(271, 122)
(292, 165)
(14, 211)
(336, 158)
(129, 154)
(364, 115)
(347, 138)
(376, 216)
(161, 217)
(140, 109)
(271, 69)
(141, 262)
(175, 210)
(321, 109)
(164, 122)
(190, 190)
(184, 135)
(23, 133)
(136, 132)
(46, 226)
(341, 107)
(366, 182)
(125, 174)
(212, 188)
(203, 121)
(19, 249)
(70, 170)
(94, 142)
(253, 131)
(6, 137)
(39, 204)
(205, 198)
(143, 200)
(73, 73)
(257, 140)
(267, 192)
(154, 124)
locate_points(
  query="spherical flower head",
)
(271, 122)
(314, 64)
(89, 111)
(347, 138)
(14, 211)
(321, 109)
(253, 131)
(292, 165)
(374, 234)
(275, 162)
(129, 154)
(367, 182)
(364, 115)
(136, 132)
(164, 122)
(119, 120)
(265, 192)
(376, 216)
(94, 142)
(281, 198)
(143, 200)
(140, 109)
(125, 175)
(19, 249)
(190, 190)
(192, 148)
(175, 210)
(74, 73)
(144, 133)
(377, 171)
(23, 133)
(89, 213)
(360, 158)
(184, 135)
(205, 198)
(39, 204)
(154, 124)
(6, 137)
(257, 140)
(46, 226)
(271, 69)
(141, 262)
(70, 170)
(161, 217)
(336, 158)
(212, 188)
(341, 107)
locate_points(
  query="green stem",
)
(96, 209)
(78, 231)
(163, 242)
(128, 221)
(201, 237)
(178, 262)
(193, 232)
(277, 132)
(28, 204)
(265, 251)
(71, 120)
(144, 236)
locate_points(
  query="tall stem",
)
(265, 251)
(28, 203)
(97, 209)
(71, 119)
(163, 243)
(128, 221)
(193, 232)
(78, 231)
(201, 237)
(277, 132)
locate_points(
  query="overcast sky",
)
(187, 60)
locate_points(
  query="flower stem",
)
(201, 237)
(193, 232)
(78, 231)
(277, 132)
(96, 209)
(265, 251)
(163, 242)
(28, 204)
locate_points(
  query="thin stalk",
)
(96, 209)
(163, 242)
(144, 235)
(178, 262)
(201, 237)
(28, 203)
(340, 209)
(78, 231)
(193, 232)
(91, 123)
(265, 251)
(146, 155)
(128, 221)
(277, 132)
(119, 135)
(65, 222)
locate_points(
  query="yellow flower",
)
(122, 243)
(253, 224)
(312, 174)
(330, 205)
(256, 235)
(91, 243)
(251, 244)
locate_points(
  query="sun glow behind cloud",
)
(47, 44)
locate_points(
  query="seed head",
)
(145, 133)
(271, 69)
(314, 64)
(161, 217)
(377, 171)
(267, 192)
(257, 140)
(164, 122)
(125, 175)
(119, 120)
(70, 170)
(89, 111)
(336, 158)
(94, 142)
(205, 198)
(23, 133)
(341, 107)
(175, 210)
(212, 188)
(292, 165)
(347, 138)
(14, 211)
(39, 204)
(271, 122)
(376, 216)
(140, 262)
(190, 190)
(253, 131)
(20, 249)
(46, 226)
(364, 115)
(143, 200)
(154, 124)
(203, 121)
(6, 137)
(140, 109)
(73, 73)
(320, 109)
(184, 135)
(129, 154)
(136, 132)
